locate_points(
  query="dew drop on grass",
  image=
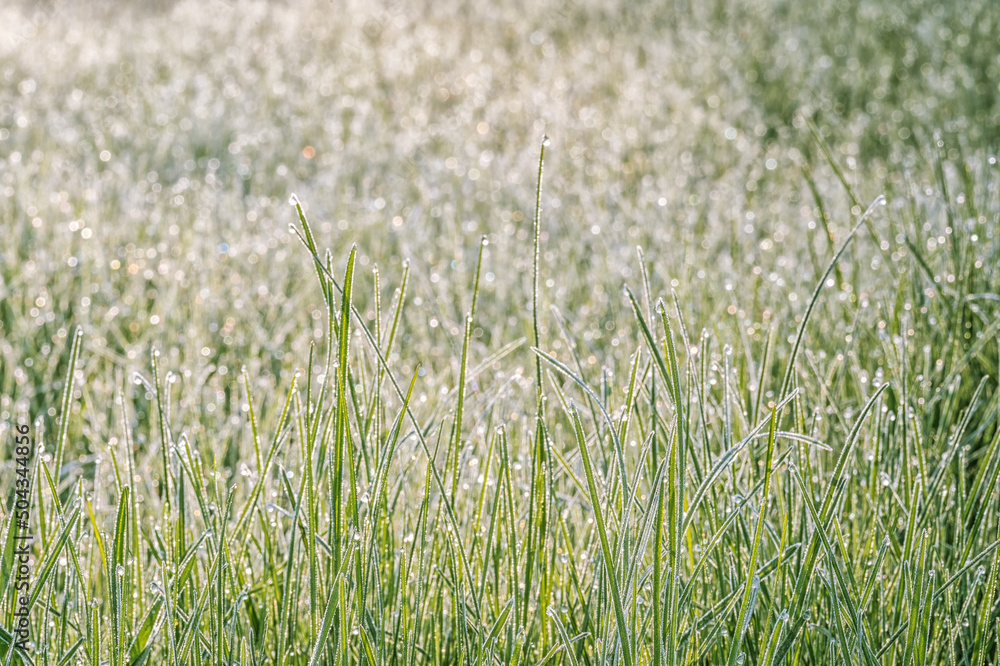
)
(120, 570)
(546, 141)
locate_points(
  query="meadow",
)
(569, 332)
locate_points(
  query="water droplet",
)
(120, 570)
(139, 380)
(546, 141)
(293, 200)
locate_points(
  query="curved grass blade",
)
(790, 367)
(609, 564)
(752, 582)
(67, 396)
(553, 614)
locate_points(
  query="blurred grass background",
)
(148, 152)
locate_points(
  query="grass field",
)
(318, 369)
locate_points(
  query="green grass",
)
(724, 390)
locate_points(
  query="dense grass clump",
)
(724, 391)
